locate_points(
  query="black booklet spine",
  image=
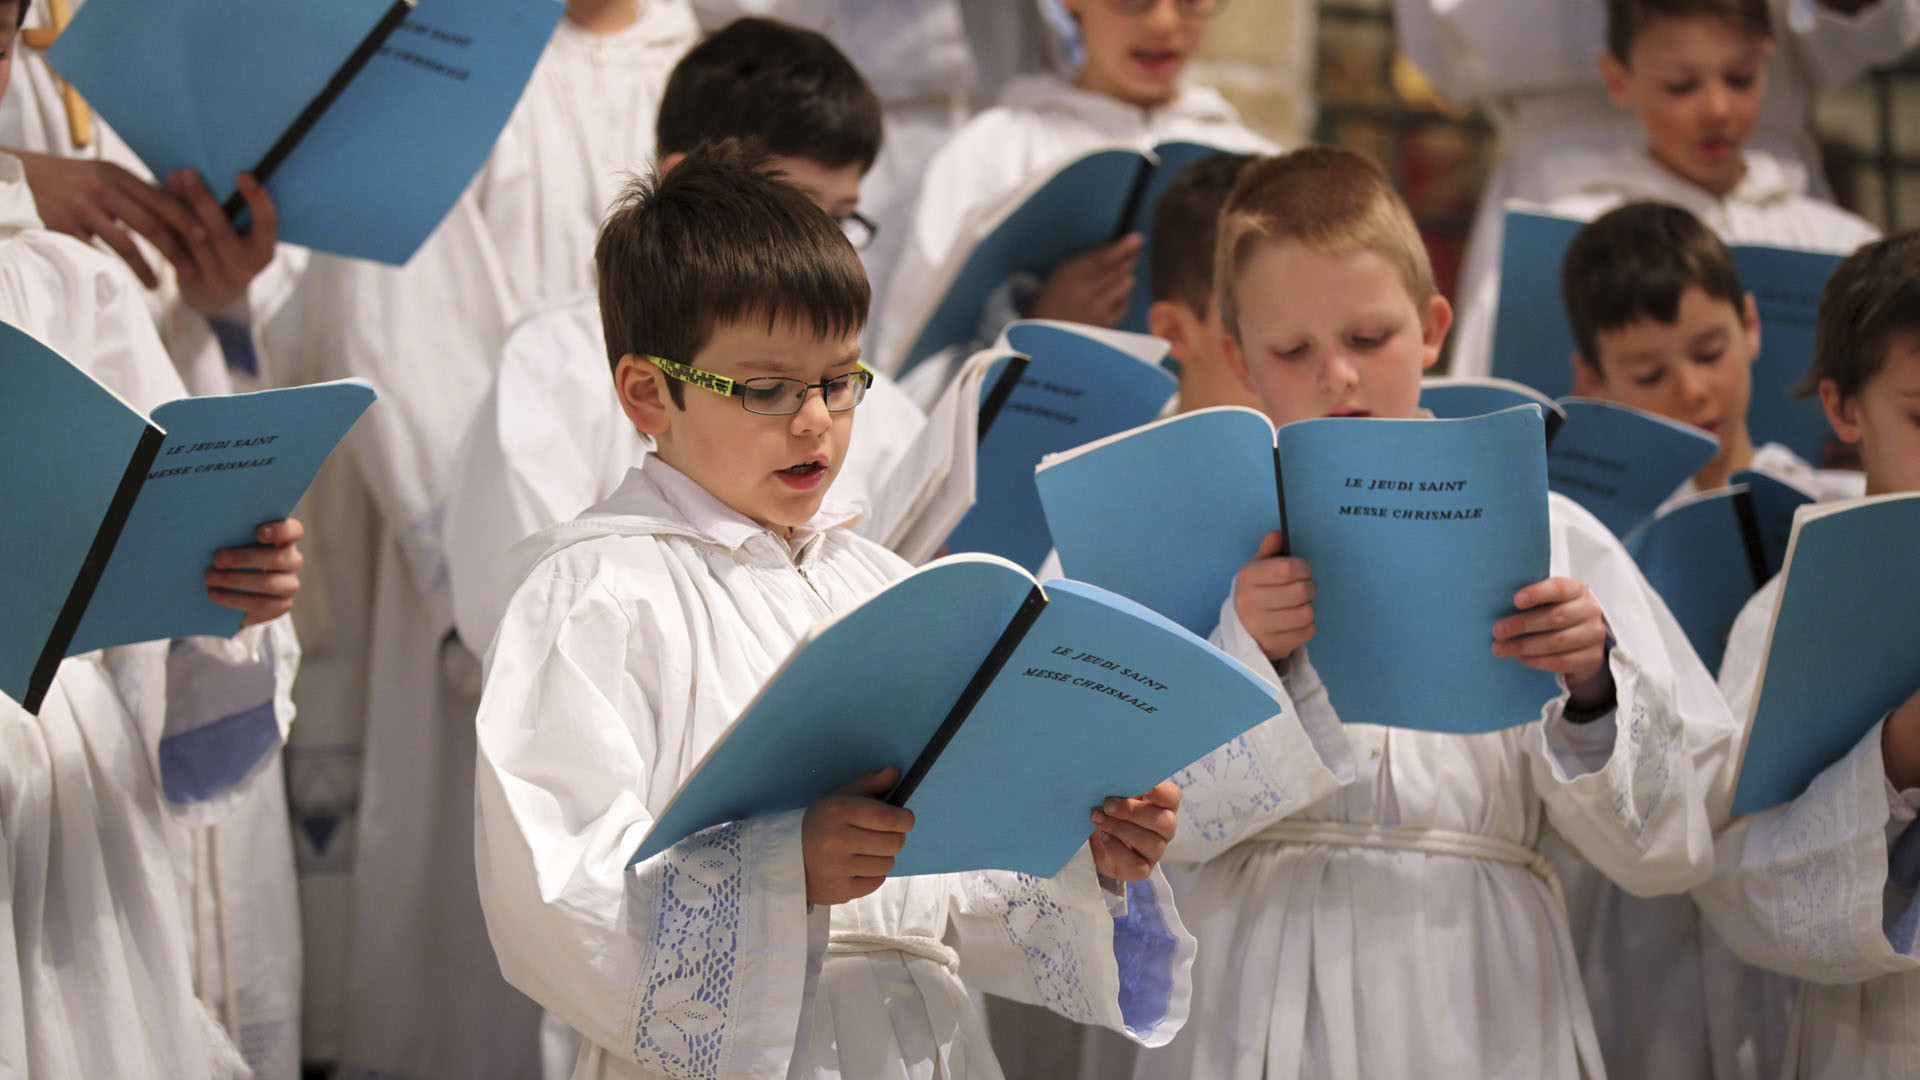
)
(290, 138)
(95, 564)
(1750, 536)
(1280, 493)
(983, 677)
(1003, 388)
(1136, 196)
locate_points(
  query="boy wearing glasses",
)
(772, 946)
(1129, 92)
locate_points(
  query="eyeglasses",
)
(773, 395)
(860, 228)
(1200, 9)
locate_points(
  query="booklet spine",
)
(1003, 388)
(1280, 493)
(983, 677)
(277, 154)
(95, 564)
(1750, 536)
(1136, 198)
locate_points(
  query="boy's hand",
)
(220, 262)
(88, 199)
(1130, 835)
(1273, 595)
(1560, 629)
(259, 580)
(1900, 744)
(1093, 287)
(848, 839)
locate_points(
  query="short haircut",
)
(790, 88)
(1628, 19)
(1872, 299)
(721, 239)
(1633, 263)
(1185, 223)
(1333, 201)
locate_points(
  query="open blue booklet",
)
(1079, 384)
(409, 101)
(1619, 462)
(1707, 555)
(1533, 343)
(1094, 199)
(1012, 710)
(117, 516)
(1845, 644)
(1419, 532)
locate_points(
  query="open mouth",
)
(1347, 410)
(803, 476)
(1156, 61)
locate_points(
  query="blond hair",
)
(1331, 200)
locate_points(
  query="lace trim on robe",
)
(683, 1010)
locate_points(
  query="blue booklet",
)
(1079, 385)
(1844, 648)
(1533, 343)
(1702, 556)
(370, 115)
(127, 512)
(1092, 200)
(1619, 462)
(1012, 710)
(1419, 533)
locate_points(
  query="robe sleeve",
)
(1279, 768)
(1823, 887)
(692, 963)
(1836, 49)
(1627, 790)
(1057, 943)
(229, 706)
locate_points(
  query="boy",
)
(549, 442)
(1128, 91)
(1404, 923)
(108, 795)
(1847, 845)
(1662, 324)
(772, 946)
(1180, 278)
(1694, 74)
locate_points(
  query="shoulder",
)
(1835, 229)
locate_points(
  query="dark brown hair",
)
(1872, 298)
(721, 239)
(1185, 224)
(1628, 19)
(790, 88)
(1633, 263)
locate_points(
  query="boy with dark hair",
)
(1694, 74)
(1661, 323)
(1180, 281)
(772, 946)
(1396, 918)
(547, 443)
(1848, 842)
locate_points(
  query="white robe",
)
(255, 895)
(1323, 959)
(550, 440)
(1780, 462)
(121, 945)
(1806, 889)
(1532, 65)
(647, 626)
(1042, 122)
(1770, 206)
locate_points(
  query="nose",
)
(1716, 101)
(1163, 15)
(1340, 374)
(813, 416)
(1693, 386)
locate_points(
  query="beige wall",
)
(1259, 53)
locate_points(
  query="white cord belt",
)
(847, 942)
(1416, 838)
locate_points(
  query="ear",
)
(642, 389)
(1434, 325)
(667, 163)
(1843, 414)
(1750, 323)
(1614, 74)
(1586, 379)
(1164, 321)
